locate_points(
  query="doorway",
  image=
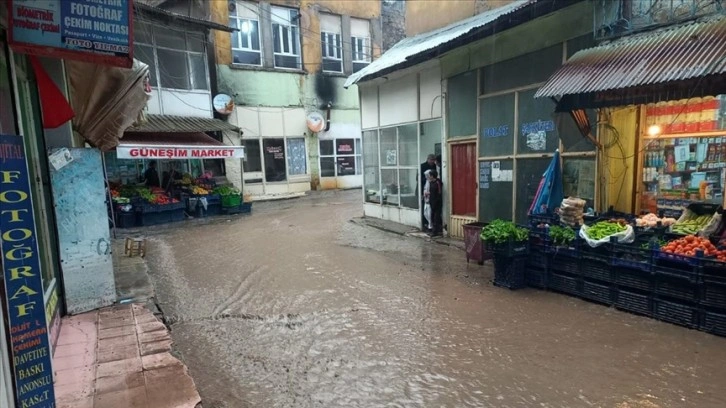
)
(464, 186)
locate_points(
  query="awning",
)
(688, 59)
(180, 124)
(175, 146)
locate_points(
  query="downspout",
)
(327, 122)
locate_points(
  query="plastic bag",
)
(624, 237)
(427, 214)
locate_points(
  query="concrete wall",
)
(426, 15)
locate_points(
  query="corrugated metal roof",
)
(687, 51)
(141, 8)
(413, 46)
(180, 124)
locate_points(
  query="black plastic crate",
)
(125, 219)
(632, 302)
(509, 248)
(597, 269)
(537, 257)
(633, 255)
(573, 250)
(634, 279)
(677, 313)
(536, 277)
(677, 269)
(598, 292)
(565, 284)
(155, 218)
(564, 264)
(714, 322)
(214, 209)
(509, 272)
(676, 288)
(536, 219)
(176, 215)
(713, 289)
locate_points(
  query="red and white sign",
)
(179, 152)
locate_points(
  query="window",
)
(332, 49)
(274, 154)
(246, 42)
(361, 43)
(286, 37)
(253, 159)
(340, 157)
(296, 156)
(371, 172)
(176, 60)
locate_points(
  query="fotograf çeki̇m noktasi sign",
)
(98, 31)
(23, 283)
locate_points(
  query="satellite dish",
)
(224, 104)
(316, 122)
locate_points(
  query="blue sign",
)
(538, 126)
(485, 174)
(29, 341)
(97, 31)
(498, 131)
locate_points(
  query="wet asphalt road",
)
(295, 306)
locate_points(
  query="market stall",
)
(160, 178)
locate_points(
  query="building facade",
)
(289, 59)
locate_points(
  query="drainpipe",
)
(327, 122)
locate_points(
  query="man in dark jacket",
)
(429, 164)
(436, 200)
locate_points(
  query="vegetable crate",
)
(597, 269)
(536, 277)
(231, 200)
(564, 283)
(598, 292)
(634, 302)
(677, 313)
(125, 219)
(714, 322)
(509, 272)
(509, 248)
(713, 287)
(631, 279)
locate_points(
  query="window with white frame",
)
(286, 37)
(340, 157)
(176, 59)
(246, 48)
(360, 33)
(330, 40)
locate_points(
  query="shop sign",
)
(179, 152)
(345, 146)
(498, 131)
(485, 171)
(23, 283)
(96, 31)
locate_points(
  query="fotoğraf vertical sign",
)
(23, 285)
(98, 31)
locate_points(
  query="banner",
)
(29, 341)
(95, 31)
(179, 152)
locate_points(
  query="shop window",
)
(296, 156)
(462, 100)
(408, 188)
(286, 37)
(389, 181)
(529, 175)
(371, 167)
(246, 47)
(214, 166)
(525, 70)
(198, 65)
(330, 40)
(571, 137)
(578, 178)
(174, 70)
(360, 43)
(430, 139)
(327, 166)
(341, 157)
(536, 128)
(408, 145)
(145, 54)
(253, 158)
(497, 126)
(274, 155)
(495, 201)
(389, 152)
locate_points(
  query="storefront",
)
(340, 160)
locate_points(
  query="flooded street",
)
(296, 306)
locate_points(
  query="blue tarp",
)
(550, 192)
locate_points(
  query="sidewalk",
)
(119, 357)
(405, 230)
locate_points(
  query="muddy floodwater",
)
(296, 306)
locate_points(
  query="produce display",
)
(500, 231)
(162, 199)
(651, 220)
(196, 190)
(604, 229)
(561, 236)
(225, 191)
(692, 224)
(690, 245)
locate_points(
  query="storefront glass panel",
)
(495, 201)
(408, 188)
(408, 145)
(529, 174)
(462, 104)
(274, 155)
(327, 166)
(578, 178)
(389, 179)
(537, 132)
(389, 152)
(296, 156)
(371, 172)
(497, 126)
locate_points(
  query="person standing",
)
(429, 164)
(436, 201)
(151, 176)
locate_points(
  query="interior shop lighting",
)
(654, 130)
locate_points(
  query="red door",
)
(463, 179)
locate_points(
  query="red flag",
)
(53, 104)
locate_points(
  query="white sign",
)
(179, 152)
(60, 158)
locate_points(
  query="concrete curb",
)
(413, 233)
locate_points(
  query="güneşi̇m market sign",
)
(97, 31)
(179, 152)
(29, 341)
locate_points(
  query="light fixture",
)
(245, 27)
(654, 130)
